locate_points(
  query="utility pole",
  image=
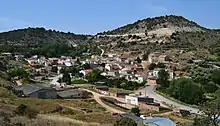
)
(145, 91)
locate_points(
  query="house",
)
(131, 99)
(154, 73)
(71, 94)
(163, 58)
(111, 55)
(112, 73)
(139, 78)
(85, 72)
(6, 54)
(157, 57)
(53, 61)
(35, 91)
(121, 94)
(152, 80)
(143, 102)
(19, 57)
(158, 121)
(102, 89)
(68, 64)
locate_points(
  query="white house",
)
(154, 73)
(108, 67)
(131, 99)
(85, 72)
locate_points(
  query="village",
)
(46, 75)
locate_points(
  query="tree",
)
(138, 59)
(186, 90)
(94, 76)
(216, 76)
(152, 66)
(54, 69)
(145, 56)
(20, 72)
(125, 122)
(66, 78)
(161, 65)
(163, 78)
(25, 110)
(135, 111)
(86, 66)
(211, 110)
(146, 33)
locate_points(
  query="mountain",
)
(176, 23)
(164, 33)
(32, 37)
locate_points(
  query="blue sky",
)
(92, 16)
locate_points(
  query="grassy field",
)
(78, 81)
(114, 90)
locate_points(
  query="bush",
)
(152, 66)
(25, 110)
(136, 111)
(161, 65)
(79, 81)
(68, 111)
(125, 122)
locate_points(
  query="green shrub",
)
(25, 110)
(68, 111)
(79, 81)
(125, 122)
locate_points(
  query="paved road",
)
(150, 92)
(55, 79)
(97, 98)
(102, 51)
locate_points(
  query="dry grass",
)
(102, 118)
(87, 103)
(5, 93)
(177, 119)
(47, 105)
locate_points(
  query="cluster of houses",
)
(122, 65)
(41, 60)
(115, 66)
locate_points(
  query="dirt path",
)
(58, 118)
(97, 98)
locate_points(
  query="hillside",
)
(164, 33)
(144, 36)
(176, 23)
(33, 37)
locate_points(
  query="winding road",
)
(102, 51)
(149, 90)
(97, 98)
